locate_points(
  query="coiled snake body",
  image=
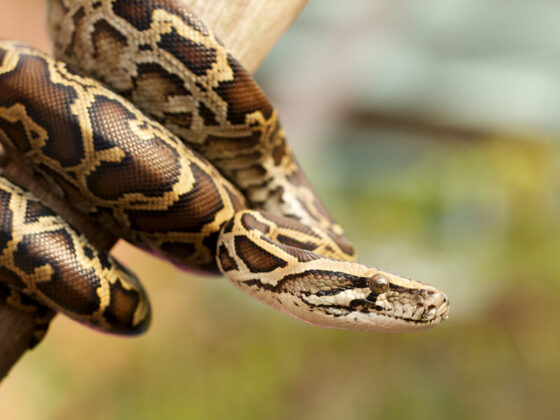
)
(212, 185)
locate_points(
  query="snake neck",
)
(284, 265)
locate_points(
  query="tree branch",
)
(16, 335)
(249, 28)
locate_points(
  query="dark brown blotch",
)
(278, 153)
(343, 243)
(158, 84)
(120, 311)
(16, 133)
(149, 166)
(255, 258)
(139, 13)
(10, 278)
(234, 144)
(48, 105)
(71, 287)
(237, 199)
(6, 219)
(292, 242)
(208, 116)
(108, 43)
(179, 119)
(34, 211)
(77, 20)
(250, 222)
(290, 223)
(226, 261)
(243, 95)
(196, 57)
(189, 213)
(300, 254)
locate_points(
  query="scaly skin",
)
(257, 219)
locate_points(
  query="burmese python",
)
(211, 186)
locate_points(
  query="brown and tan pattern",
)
(197, 90)
(137, 176)
(244, 208)
(309, 285)
(47, 261)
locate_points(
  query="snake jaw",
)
(427, 306)
(400, 305)
(346, 301)
(396, 310)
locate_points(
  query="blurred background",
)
(431, 131)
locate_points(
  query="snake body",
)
(213, 185)
(46, 258)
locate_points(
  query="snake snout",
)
(436, 305)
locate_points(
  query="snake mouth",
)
(427, 306)
(430, 315)
(374, 321)
(395, 310)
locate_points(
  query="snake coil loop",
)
(211, 185)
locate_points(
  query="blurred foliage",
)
(477, 219)
(476, 216)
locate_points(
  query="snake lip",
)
(426, 307)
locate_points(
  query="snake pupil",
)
(378, 284)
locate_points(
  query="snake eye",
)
(378, 284)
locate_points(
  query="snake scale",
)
(184, 157)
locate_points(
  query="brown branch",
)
(415, 124)
(16, 335)
(249, 28)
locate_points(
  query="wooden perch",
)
(16, 334)
(249, 28)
